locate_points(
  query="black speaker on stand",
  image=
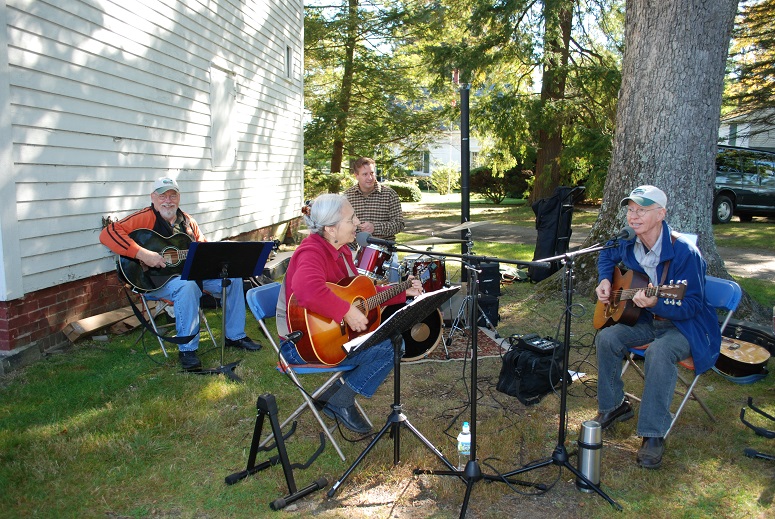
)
(489, 291)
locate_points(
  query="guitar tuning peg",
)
(678, 303)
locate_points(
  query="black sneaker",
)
(246, 343)
(189, 361)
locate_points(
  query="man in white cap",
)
(673, 332)
(165, 218)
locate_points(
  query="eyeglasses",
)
(639, 211)
(353, 220)
(168, 195)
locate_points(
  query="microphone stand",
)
(472, 473)
(560, 455)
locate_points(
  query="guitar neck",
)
(381, 297)
(629, 293)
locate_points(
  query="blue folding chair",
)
(721, 294)
(262, 302)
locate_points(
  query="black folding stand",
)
(224, 260)
(267, 406)
(560, 455)
(402, 320)
(473, 472)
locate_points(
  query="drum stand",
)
(460, 321)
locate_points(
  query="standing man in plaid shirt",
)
(376, 206)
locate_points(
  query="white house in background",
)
(98, 99)
(446, 152)
(739, 131)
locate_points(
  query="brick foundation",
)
(39, 317)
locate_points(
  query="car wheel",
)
(722, 209)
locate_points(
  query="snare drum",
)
(421, 339)
(373, 261)
(430, 272)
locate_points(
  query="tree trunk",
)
(558, 16)
(345, 91)
(667, 120)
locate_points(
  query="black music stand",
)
(224, 260)
(392, 328)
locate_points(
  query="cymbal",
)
(467, 225)
(434, 241)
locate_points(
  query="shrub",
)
(406, 192)
(497, 186)
(445, 179)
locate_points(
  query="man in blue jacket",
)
(674, 332)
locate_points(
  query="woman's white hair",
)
(324, 210)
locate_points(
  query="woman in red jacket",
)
(324, 257)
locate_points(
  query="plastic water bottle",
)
(464, 446)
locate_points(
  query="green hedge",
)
(406, 192)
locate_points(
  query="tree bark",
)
(558, 16)
(345, 91)
(667, 121)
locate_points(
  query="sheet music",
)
(354, 343)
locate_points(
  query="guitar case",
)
(745, 332)
(751, 332)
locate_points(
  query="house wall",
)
(445, 151)
(738, 132)
(105, 96)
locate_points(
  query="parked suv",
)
(745, 184)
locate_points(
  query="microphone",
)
(364, 238)
(627, 233)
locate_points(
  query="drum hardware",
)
(459, 323)
(467, 225)
(435, 241)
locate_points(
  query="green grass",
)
(106, 431)
(752, 235)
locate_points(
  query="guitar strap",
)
(673, 237)
(139, 314)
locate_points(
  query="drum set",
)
(375, 262)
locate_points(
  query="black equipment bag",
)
(553, 223)
(528, 374)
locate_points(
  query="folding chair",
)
(160, 306)
(262, 302)
(721, 294)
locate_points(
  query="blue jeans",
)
(372, 365)
(185, 296)
(667, 347)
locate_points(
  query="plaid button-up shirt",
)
(381, 207)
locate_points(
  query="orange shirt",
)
(116, 235)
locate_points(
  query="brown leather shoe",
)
(620, 414)
(650, 452)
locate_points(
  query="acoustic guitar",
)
(143, 278)
(620, 308)
(740, 358)
(323, 338)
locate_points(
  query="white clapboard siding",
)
(105, 96)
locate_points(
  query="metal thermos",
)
(590, 453)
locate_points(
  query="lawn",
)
(112, 429)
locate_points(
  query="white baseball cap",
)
(645, 196)
(165, 184)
